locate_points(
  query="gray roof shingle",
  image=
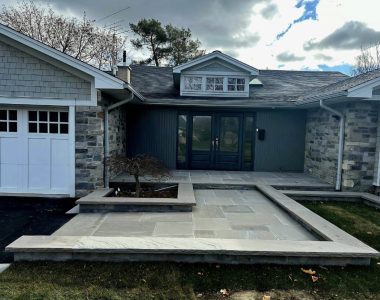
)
(280, 88)
(340, 86)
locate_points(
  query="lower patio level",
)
(223, 214)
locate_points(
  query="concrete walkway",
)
(223, 214)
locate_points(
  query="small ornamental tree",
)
(138, 166)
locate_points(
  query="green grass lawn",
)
(79, 280)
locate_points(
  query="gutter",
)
(106, 136)
(338, 184)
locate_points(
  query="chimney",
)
(124, 71)
(124, 58)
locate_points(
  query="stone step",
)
(229, 251)
(99, 202)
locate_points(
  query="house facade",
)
(60, 117)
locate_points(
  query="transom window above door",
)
(54, 122)
(8, 120)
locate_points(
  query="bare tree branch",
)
(81, 39)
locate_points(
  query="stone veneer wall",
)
(89, 144)
(89, 149)
(321, 148)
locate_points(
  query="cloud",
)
(216, 23)
(289, 57)
(352, 35)
(309, 13)
(269, 11)
(321, 56)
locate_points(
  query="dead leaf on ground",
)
(314, 278)
(266, 297)
(200, 274)
(310, 271)
(224, 292)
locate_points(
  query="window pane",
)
(231, 88)
(248, 141)
(43, 116)
(240, 81)
(12, 126)
(182, 134)
(231, 80)
(219, 87)
(3, 115)
(193, 83)
(3, 126)
(13, 115)
(53, 128)
(240, 88)
(32, 116)
(64, 128)
(201, 139)
(53, 116)
(64, 116)
(32, 127)
(229, 134)
(219, 80)
(43, 127)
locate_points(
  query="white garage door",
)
(35, 152)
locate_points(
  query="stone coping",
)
(99, 197)
(367, 198)
(311, 220)
(337, 244)
(96, 244)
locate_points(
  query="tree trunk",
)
(138, 186)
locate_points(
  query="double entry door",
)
(216, 141)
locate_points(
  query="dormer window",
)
(193, 83)
(236, 84)
(214, 84)
(214, 75)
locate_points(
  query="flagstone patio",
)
(225, 214)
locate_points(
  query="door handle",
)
(212, 145)
(216, 143)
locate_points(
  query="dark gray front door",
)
(216, 141)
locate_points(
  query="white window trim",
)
(213, 93)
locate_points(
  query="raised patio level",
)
(277, 179)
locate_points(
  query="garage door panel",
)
(10, 150)
(39, 177)
(59, 164)
(39, 151)
(9, 162)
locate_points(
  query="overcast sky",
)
(275, 34)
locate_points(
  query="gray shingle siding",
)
(22, 75)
